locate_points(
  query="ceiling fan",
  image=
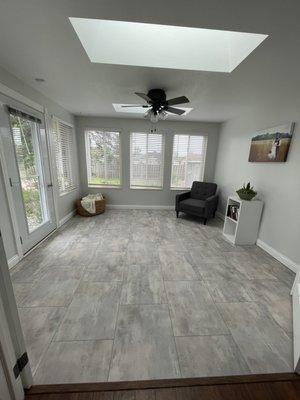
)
(158, 106)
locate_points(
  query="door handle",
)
(50, 185)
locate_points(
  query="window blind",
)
(103, 158)
(21, 114)
(188, 160)
(146, 160)
(63, 134)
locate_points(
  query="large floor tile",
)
(276, 297)
(21, 290)
(251, 267)
(171, 246)
(144, 235)
(141, 254)
(75, 254)
(104, 273)
(75, 362)
(143, 284)
(111, 243)
(263, 344)
(229, 290)
(39, 325)
(176, 266)
(58, 242)
(109, 267)
(216, 268)
(144, 346)
(193, 311)
(30, 269)
(92, 313)
(281, 272)
(55, 288)
(201, 356)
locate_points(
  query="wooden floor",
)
(249, 387)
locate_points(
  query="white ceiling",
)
(38, 40)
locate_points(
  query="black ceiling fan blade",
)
(137, 105)
(144, 96)
(177, 100)
(174, 110)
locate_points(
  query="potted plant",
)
(246, 192)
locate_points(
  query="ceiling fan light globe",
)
(154, 117)
(163, 115)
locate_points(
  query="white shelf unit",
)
(244, 230)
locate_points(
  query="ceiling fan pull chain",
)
(153, 128)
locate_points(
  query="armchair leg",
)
(204, 221)
(177, 214)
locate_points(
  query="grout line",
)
(168, 306)
(45, 349)
(83, 340)
(201, 335)
(60, 324)
(115, 329)
(238, 347)
(228, 328)
(42, 307)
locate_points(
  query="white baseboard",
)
(279, 256)
(66, 218)
(13, 261)
(294, 289)
(138, 207)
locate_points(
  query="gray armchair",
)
(201, 200)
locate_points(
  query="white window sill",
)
(104, 187)
(145, 188)
(71, 190)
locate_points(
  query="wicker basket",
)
(100, 208)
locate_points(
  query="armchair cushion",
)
(203, 190)
(194, 206)
(180, 197)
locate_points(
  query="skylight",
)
(164, 46)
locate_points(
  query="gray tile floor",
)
(131, 295)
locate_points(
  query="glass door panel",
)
(25, 137)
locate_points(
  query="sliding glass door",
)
(27, 150)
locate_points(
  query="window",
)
(146, 160)
(188, 160)
(103, 158)
(63, 138)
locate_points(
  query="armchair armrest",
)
(180, 197)
(211, 204)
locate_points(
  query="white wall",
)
(65, 203)
(277, 184)
(125, 195)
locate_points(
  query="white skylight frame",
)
(164, 46)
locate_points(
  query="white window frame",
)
(204, 160)
(87, 156)
(55, 131)
(134, 187)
